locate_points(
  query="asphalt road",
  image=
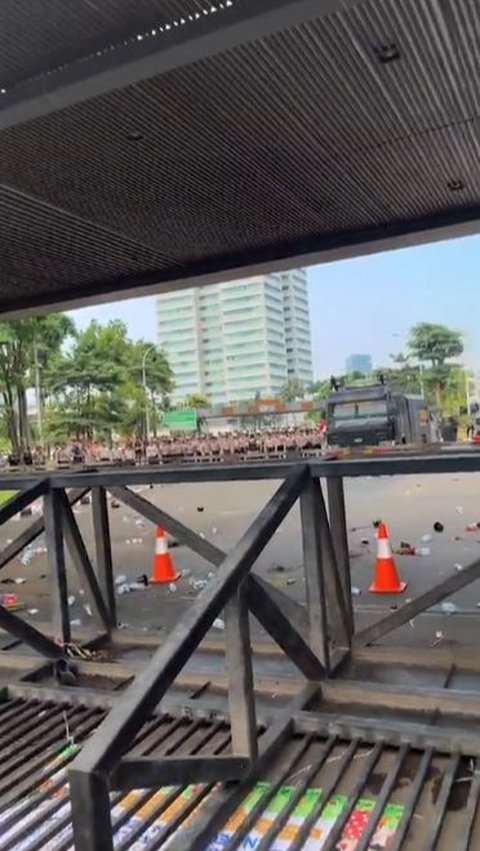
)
(222, 512)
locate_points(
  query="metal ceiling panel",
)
(39, 37)
(353, 124)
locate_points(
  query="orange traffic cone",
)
(387, 580)
(164, 569)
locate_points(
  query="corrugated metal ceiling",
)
(304, 135)
(38, 37)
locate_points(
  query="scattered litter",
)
(210, 575)
(405, 549)
(115, 503)
(458, 567)
(423, 551)
(71, 600)
(459, 509)
(88, 609)
(214, 530)
(139, 522)
(393, 608)
(202, 536)
(7, 581)
(8, 600)
(291, 581)
(20, 580)
(76, 622)
(365, 542)
(81, 592)
(200, 508)
(376, 523)
(129, 587)
(85, 500)
(219, 624)
(356, 591)
(412, 623)
(448, 608)
(457, 538)
(143, 580)
(198, 584)
(438, 527)
(408, 600)
(8, 541)
(128, 541)
(172, 588)
(26, 556)
(122, 625)
(439, 638)
(120, 580)
(471, 527)
(172, 542)
(426, 538)
(125, 519)
(33, 611)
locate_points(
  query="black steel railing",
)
(315, 638)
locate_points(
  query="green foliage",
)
(90, 382)
(292, 390)
(434, 343)
(27, 346)
(97, 385)
(197, 400)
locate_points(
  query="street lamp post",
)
(145, 388)
(38, 392)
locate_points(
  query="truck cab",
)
(375, 415)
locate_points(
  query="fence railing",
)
(316, 637)
(308, 637)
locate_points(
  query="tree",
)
(197, 400)
(97, 388)
(150, 363)
(292, 390)
(27, 346)
(435, 344)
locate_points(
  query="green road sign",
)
(184, 420)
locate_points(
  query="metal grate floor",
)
(319, 794)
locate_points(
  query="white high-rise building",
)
(236, 340)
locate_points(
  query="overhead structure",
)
(164, 143)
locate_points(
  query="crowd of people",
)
(177, 448)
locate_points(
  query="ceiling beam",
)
(309, 251)
(244, 21)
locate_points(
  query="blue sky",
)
(366, 304)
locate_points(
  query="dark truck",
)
(378, 414)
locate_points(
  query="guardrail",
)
(316, 638)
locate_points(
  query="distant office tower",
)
(236, 340)
(359, 363)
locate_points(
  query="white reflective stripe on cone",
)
(384, 549)
(161, 546)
